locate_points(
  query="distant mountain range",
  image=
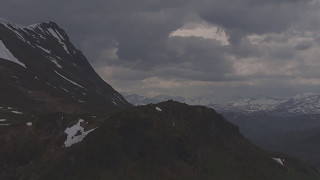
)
(257, 116)
(297, 105)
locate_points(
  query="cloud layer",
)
(260, 47)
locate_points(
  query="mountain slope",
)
(46, 87)
(50, 70)
(303, 144)
(169, 140)
(260, 124)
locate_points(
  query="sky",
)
(190, 48)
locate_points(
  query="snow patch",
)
(66, 90)
(17, 112)
(6, 54)
(279, 160)
(72, 82)
(3, 120)
(73, 135)
(55, 62)
(158, 109)
(44, 49)
(29, 124)
(59, 38)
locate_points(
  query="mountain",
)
(40, 67)
(60, 120)
(249, 105)
(289, 125)
(262, 117)
(47, 86)
(143, 100)
(298, 105)
(169, 140)
(257, 116)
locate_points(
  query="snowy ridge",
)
(251, 104)
(301, 104)
(297, 105)
(37, 33)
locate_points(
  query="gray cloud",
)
(273, 43)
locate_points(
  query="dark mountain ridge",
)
(50, 65)
(169, 140)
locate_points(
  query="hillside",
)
(302, 144)
(169, 140)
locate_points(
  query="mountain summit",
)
(40, 67)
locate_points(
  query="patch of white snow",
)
(279, 160)
(17, 112)
(56, 63)
(7, 55)
(73, 136)
(72, 82)
(43, 49)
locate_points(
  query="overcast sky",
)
(221, 48)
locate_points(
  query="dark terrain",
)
(55, 91)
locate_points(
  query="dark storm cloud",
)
(129, 41)
(249, 16)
